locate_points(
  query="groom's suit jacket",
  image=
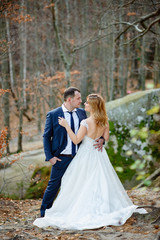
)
(55, 136)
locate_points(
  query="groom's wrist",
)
(103, 139)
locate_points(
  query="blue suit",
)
(55, 141)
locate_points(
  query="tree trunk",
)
(84, 55)
(24, 61)
(157, 65)
(127, 68)
(142, 66)
(67, 63)
(134, 68)
(20, 129)
(37, 72)
(112, 69)
(5, 84)
(22, 93)
(6, 103)
(38, 106)
(9, 52)
(122, 83)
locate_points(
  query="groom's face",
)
(76, 100)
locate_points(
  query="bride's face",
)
(87, 106)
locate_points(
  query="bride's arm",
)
(106, 133)
(75, 138)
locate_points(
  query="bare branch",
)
(126, 4)
(85, 44)
(153, 4)
(16, 102)
(153, 14)
(141, 22)
(143, 33)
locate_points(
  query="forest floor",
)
(17, 218)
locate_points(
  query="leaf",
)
(137, 162)
(133, 166)
(140, 177)
(131, 14)
(147, 182)
(153, 110)
(133, 132)
(119, 169)
(141, 166)
(143, 133)
(129, 153)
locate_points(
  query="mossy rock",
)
(129, 110)
(39, 181)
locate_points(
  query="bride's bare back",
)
(94, 131)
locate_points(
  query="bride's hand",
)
(62, 121)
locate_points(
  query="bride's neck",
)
(91, 115)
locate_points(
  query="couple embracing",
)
(91, 194)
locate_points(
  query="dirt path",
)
(17, 217)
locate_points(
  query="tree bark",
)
(142, 66)
(9, 52)
(157, 65)
(6, 103)
(37, 73)
(122, 83)
(24, 35)
(5, 85)
(67, 63)
(22, 93)
(112, 69)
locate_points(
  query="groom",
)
(58, 147)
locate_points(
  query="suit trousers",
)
(54, 183)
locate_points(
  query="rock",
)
(16, 178)
(132, 108)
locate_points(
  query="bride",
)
(91, 194)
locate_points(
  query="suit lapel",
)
(61, 114)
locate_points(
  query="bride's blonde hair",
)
(97, 104)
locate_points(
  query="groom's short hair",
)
(70, 92)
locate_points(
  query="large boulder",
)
(131, 109)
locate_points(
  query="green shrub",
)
(119, 135)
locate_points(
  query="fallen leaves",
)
(17, 218)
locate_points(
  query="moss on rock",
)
(39, 181)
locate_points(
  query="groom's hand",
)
(99, 144)
(54, 160)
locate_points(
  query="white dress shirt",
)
(67, 115)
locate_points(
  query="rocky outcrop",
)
(132, 108)
(15, 179)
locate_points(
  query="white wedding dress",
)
(91, 194)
